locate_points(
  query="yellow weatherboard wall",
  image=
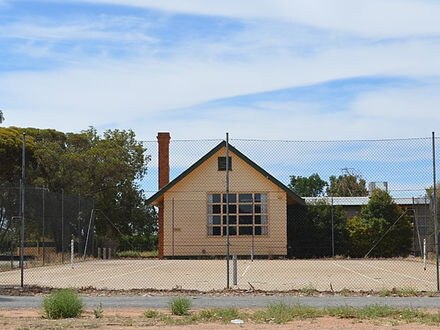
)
(185, 211)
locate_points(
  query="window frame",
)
(250, 218)
(221, 163)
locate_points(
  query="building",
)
(418, 208)
(196, 207)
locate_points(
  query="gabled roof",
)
(292, 197)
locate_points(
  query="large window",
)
(247, 214)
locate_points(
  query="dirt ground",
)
(134, 319)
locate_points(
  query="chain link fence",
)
(53, 222)
(367, 224)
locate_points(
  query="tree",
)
(106, 168)
(347, 185)
(1, 117)
(312, 231)
(383, 229)
(313, 186)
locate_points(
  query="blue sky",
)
(270, 69)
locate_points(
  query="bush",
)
(64, 303)
(381, 226)
(180, 306)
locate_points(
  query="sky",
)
(269, 69)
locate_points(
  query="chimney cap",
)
(163, 135)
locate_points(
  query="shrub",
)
(99, 311)
(180, 306)
(64, 303)
(381, 226)
(151, 314)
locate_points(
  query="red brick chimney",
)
(163, 140)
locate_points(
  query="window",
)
(222, 163)
(247, 214)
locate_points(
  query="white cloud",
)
(102, 92)
(150, 93)
(372, 18)
(414, 104)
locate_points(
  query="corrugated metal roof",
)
(358, 201)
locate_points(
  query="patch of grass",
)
(308, 290)
(128, 254)
(373, 312)
(63, 303)
(136, 254)
(98, 312)
(180, 306)
(399, 292)
(345, 292)
(281, 313)
(219, 314)
(151, 314)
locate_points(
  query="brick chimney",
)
(163, 140)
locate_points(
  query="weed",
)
(180, 306)
(136, 254)
(151, 313)
(128, 254)
(400, 292)
(308, 290)
(98, 312)
(281, 313)
(64, 303)
(219, 314)
(345, 292)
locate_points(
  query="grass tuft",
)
(219, 314)
(180, 306)
(98, 311)
(151, 313)
(282, 313)
(63, 303)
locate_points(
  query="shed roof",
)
(292, 198)
(363, 200)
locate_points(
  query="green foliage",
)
(281, 312)
(398, 292)
(312, 186)
(137, 254)
(180, 306)
(219, 314)
(151, 313)
(347, 185)
(380, 222)
(311, 231)
(137, 242)
(129, 254)
(64, 303)
(107, 168)
(376, 312)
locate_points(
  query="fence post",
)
(434, 197)
(72, 251)
(234, 269)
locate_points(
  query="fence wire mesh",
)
(52, 222)
(298, 215)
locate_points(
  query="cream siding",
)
(185, 211)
